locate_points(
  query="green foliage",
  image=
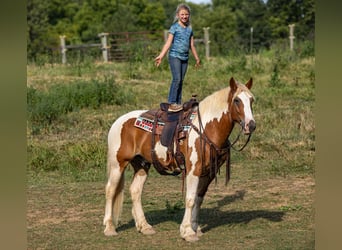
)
(45, 107)
(281, 13)
(81, 161)
(275, 80)
(306, 49)
(236, 64)
(37, 27)
(230, 22)
(42, 158)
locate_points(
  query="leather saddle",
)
(171, 133)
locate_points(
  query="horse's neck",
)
(215, 117)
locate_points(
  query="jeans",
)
(178, 69)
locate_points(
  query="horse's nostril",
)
(251, 126)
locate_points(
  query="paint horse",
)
(210, 129)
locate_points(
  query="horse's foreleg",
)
(114, 199)
(186, 230)
(137, 210)
(201, 191)
(194, 215)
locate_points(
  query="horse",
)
(210, 128)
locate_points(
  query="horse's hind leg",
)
(114, 200)
(137, 210)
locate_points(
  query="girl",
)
(179, 41)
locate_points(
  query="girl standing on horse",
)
(180, 40)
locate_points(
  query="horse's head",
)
(240, 105)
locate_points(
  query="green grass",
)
(268, 203)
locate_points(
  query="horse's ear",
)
(249, 84)
(232, 84)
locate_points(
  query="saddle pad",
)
(146, 124)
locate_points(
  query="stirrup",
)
(174, 107)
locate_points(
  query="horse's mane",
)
(217, 101)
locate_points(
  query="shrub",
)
(81, 161)
(45, 107)
(275, 79)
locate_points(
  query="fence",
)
(123, 46)
(130, 45)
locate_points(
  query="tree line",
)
(230, 21)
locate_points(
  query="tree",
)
(281, 13)
(250, 14)
(37, 26)
(223, 29)
(230, 21)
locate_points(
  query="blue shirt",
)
(181, 41)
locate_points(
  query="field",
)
(268, 204)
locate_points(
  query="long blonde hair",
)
(179, 8)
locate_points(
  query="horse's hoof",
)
(148, 231)
(199, 232)
(191, 238)
(110, 232)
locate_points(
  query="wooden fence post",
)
(166, 33)
(206, 42)
(104, 48)
(292, 37)
(63, 48)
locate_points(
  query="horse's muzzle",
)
(250, 127)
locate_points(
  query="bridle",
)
(216, 153)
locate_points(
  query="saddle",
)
(171, 128)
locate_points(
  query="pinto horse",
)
(216, 116)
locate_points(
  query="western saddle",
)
(171, 134)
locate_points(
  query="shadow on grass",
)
(211, 217)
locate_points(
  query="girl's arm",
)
(194, 51)
(166, 47)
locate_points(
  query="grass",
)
(268, 203)
(273, 213)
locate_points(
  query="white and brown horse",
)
(218, 113)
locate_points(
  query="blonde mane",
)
(218, 101)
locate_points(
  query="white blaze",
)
(245, 98)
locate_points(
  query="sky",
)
(199, 1)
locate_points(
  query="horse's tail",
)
(118, 200)
(116, 178)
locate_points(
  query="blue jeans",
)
(178, 69)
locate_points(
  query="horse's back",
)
(117, 126)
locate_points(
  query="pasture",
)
(268, 203)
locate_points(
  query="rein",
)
(216, 153)
(237, 138)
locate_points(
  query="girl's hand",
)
(198, 63)
(157, 61)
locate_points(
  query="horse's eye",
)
(237, 101)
